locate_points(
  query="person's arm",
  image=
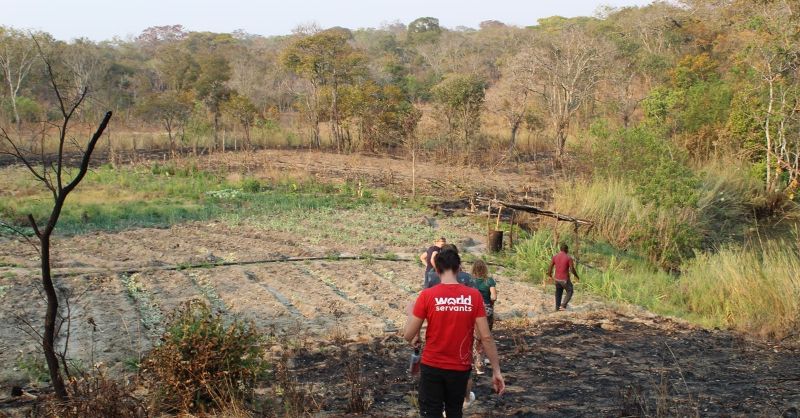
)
(493, 294)
(490, 349)
(424, 258)
(413, 325)
(574, 272)
(433, 258)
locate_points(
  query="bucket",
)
(495, 241)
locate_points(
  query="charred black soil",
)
(601, 363)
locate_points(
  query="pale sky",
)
(104, 19)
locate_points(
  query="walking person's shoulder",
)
(468, 290)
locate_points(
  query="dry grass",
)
(297, 400)
(666, 235)
(754, 289)
(94, 395)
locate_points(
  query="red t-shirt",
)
(451, 310)
(562, 262)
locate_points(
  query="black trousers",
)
(438, 387)
(560, 287)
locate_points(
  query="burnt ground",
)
(600, 363)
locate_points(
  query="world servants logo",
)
(459, 304)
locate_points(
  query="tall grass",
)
(754, 289)
(605, 271)
(666, 235)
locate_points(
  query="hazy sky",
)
(98, 20)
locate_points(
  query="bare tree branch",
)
(87, 155)
(21, 233)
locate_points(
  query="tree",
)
(172, 108)
(510, 98)
(424, 30)
(243, 111)
(563, 72)
(55, 177)
(154, 36)
(211, 88)
(775, 57)
(460, 97)
(17, 55)
(328, 62)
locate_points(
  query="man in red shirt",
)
(564, 265)
(453, 311)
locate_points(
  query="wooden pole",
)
(511, 231)
(555, 232)
(488, 216)
(497, 224)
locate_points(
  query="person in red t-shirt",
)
(453, 311)
(564, 265)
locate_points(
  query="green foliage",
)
(29, 109)
(751, 288)
(204, 363)
(424, 30)
(461, 98)
(251, 185)
(658, 170)
(531, 256)
(325, 57)
(34, 367)
(167, 194)
(170, 107)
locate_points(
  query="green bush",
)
(251, 185)
(204, 364)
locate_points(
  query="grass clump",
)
(753, 288)
(94, 395)
(204, 364)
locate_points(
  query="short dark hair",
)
(451, 247)
(447, 259)
(565, 247)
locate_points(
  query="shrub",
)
(94, 396)
(251, 186)
(204, 364)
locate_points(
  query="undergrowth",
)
(752, 287)
(204, 364)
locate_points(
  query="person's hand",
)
(498, 382)
(415, 341)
